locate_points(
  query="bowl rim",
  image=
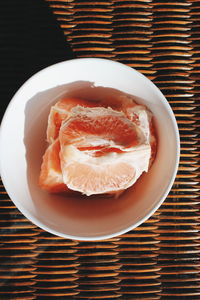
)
(33, 219)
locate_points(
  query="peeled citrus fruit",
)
(51, 175)
(61, 111)
(97, 147)
(101, 151)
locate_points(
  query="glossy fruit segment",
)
(51, 175)
(61, 111)
(87, 126)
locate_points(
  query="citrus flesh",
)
(51, 178)
(96, 149)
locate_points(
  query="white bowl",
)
(22, 143)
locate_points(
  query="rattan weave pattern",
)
(160, 259)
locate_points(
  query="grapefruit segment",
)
(51, 178)
(91, 180)
(101, 151)
(110, 173)
(61, 111)
(110, 127)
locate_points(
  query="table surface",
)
(159, 259)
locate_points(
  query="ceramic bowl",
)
(23, 142)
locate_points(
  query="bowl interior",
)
(23, 136)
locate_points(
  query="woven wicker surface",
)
(159, 259)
